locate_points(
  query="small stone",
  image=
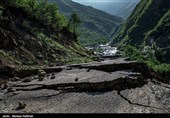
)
(53, 74)
(68, 68)
(15, 79)
(27, 79)
(35, 77)
(41, 78)
(88, 70)
(22, 105)
(76, 79)
(11, 90)
(5, 86)
(52, 77)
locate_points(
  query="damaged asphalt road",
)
(112, 86)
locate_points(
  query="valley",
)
(60, 56)
(96, 25)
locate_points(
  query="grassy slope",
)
(37, 46)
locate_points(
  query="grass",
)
(8, 57)
(51, 43)
(161, 67)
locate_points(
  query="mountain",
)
(32, 34)
(122, 8)
(96, 24)
(149, 23)
(125, 10)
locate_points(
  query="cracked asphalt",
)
(53, 95)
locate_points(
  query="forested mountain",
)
(96, 24)
(122, 8)
(34, 33)
(148, 24)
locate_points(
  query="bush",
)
(147, 56)
(132, 53)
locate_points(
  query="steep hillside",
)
(149, 23)
(29, 35)
(96, 25)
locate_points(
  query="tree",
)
(74, 22)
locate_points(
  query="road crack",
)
(130, 102)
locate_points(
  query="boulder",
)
(41, 73)
(15, 79)
(27, 79)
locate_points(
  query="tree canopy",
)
(74, 22)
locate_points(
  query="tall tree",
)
(74, 22)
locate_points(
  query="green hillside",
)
(145, 35)
(148, 24)
(34, 33)
(96, 25)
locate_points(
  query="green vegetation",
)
(96, 25)
(132, 53)
(161, 68)
(41, 36)
(1, 9)
(8, 57)
(161, 29)
(74, 22)
(148, 56)
(45, 12)
(89, 37)
(48, 41)
(149, 21)
(144, 36)
(4, 54)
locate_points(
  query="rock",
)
(41, 73)
(41, 78)
(76, 79)
(27, 79)
(11, 90)
(35, 77)
(5, 86)
(52, 76)
(22, 105)
(15, 79)
(88, 70)
(68, 68)
(40, 56)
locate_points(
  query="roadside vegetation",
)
(149, 55)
